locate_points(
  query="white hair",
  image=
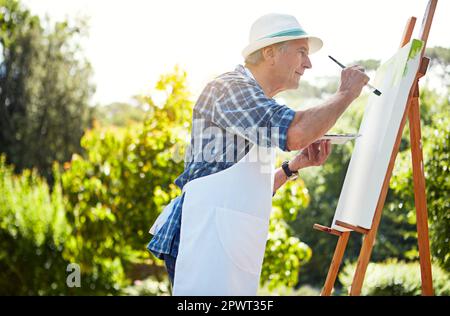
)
(256, 57)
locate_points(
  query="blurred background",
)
(96, 102)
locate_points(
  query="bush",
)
(285, 254)
(33, 232)
(436, 139)
(305, 290)
(396, 278)
(37, 242)
(148, 287)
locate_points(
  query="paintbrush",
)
(375, 90)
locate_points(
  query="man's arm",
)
(311, 124)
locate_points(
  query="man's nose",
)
(307, 64)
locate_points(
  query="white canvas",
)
(379, 128)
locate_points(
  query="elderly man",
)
(213, 236)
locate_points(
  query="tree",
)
(368, 64)
(44, 89)
(119, 114)
(440, 62)
(436, 145)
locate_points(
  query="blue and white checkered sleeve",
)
(244, 109)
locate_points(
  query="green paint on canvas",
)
(416, 48)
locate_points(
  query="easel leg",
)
(420, 197)
(335, 263)
(363, 262)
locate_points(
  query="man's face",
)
(291, 63)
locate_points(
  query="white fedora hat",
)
(275, 28)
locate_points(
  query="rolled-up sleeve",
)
(244, 109)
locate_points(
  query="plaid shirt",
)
(234, 105)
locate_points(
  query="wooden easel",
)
(413, 113)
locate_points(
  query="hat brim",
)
(315, 43)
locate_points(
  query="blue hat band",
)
(291, 32)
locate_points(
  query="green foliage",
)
(44, 89)
(437, 153)
(285, 254)
(440, 62)
(436, 157)
(119, 114)
(396, 278)
(439, 55)
(367, 64)
(147, 287)
(33, 232)
(38, 242)
(305, 290)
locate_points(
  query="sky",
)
(131, 43)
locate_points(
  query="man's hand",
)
(313, 155)
(353, 79)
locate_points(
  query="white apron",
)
(224, 228)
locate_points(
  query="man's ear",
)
(268, 53)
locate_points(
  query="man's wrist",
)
(345, 96)
(292, 166)
(289, 173)
(295, 166)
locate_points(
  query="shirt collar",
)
(249, 73)
(245, 71)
